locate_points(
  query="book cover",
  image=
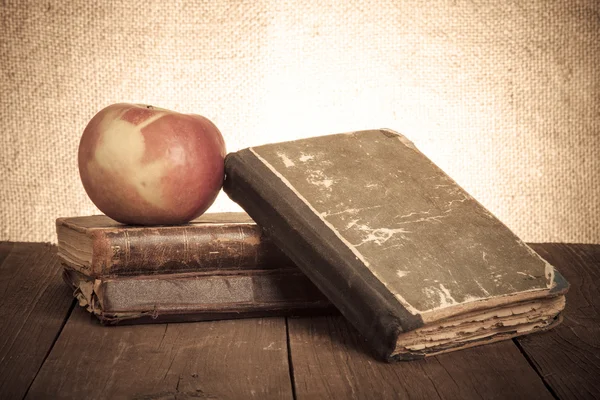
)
(414, 262)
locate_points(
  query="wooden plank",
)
(221, 359)
(35, 303)
(5, 248)
(330, 360)
(568, 357)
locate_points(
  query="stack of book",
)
(220, 265)
(415, 263)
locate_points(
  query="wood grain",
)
(222, 359)
(34, 305)
(568, 357)
(330, 360)
(5, 248)
(248, 358)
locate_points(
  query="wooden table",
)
(51, 349)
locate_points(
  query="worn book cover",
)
(409, 257)
(220, 265)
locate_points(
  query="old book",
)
(197, 296)
(416, 264)
(100, 246)
(218, 266)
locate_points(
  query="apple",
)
(145, 165)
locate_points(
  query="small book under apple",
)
(220, 265)
(414, 262)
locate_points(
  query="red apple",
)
(150, 166)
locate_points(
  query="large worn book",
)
(220, 265)
(414, 262)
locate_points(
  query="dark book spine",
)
(177, 249)
(318, 252)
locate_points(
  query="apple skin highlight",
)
(143, 165)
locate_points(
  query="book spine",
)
(178, 249)
(192, 291)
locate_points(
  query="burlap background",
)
(504, 96)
